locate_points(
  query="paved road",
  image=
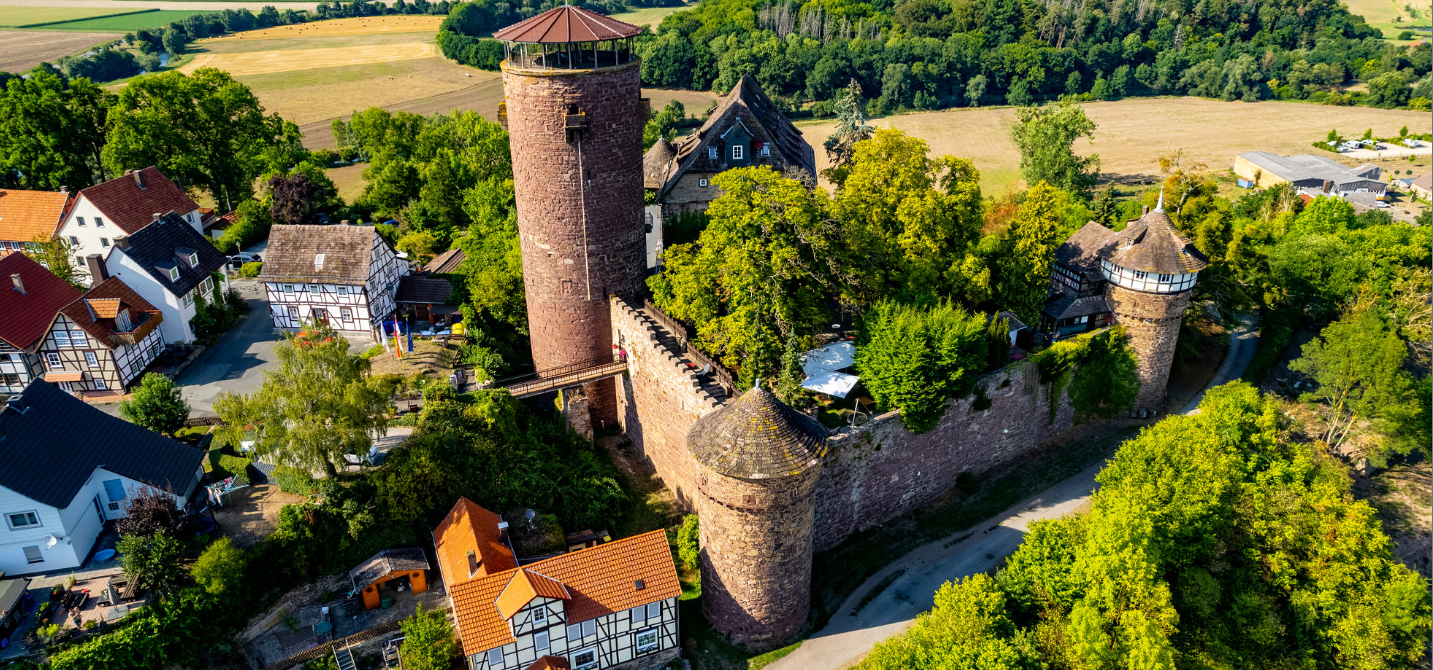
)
(236, 362)
(848, 637)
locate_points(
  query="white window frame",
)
(766, 149)
(655, 645)
(92, 360)
(589, 665)
(80, 221)
(62, 338)
(702, 183)
(52, 360)
(346, 313)
(495, 652)
(539, 616)
(187, 299)
(293, 312)
(541, 641)
(315, 288)
(738, 152)
(39, 557)
(10, 519)
(104, 242)
(99, 222)
(174, 274)
(193, 259)
(74, 242)
(341, 290)
(638, 615)
(100, 384)
(654, 611)
(208, 286)
(288, 288)
(711, 153)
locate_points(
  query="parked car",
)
(238, 260)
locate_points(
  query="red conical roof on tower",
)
(567, 24)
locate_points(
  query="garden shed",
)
(404, 568)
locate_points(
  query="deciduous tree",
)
(428, 642)
(1046, 137)
(1025, 268)
(157, 404)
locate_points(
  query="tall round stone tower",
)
(574, 115)
(1151, 268)
(759, 461)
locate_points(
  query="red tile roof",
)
(566, 24)
(25, 215)
(27, 317)
(467, 529)
(96, 309)
(130, 206)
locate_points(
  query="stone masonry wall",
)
(880, 470)
(870, 475)
(579, 209)
(1152, 321)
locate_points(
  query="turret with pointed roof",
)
(758, 463)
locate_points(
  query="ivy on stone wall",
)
(1099, 369)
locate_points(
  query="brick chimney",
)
(19, 283)
(122, 242)
(98, 271)
(1328, 186)
(139, 179)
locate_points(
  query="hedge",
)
(294, 480)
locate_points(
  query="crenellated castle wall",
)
(872, 473)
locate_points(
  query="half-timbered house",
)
(170, 265)
(346, 276)
(30, 297)
(611, 606)
(28, 217)
(101, 342)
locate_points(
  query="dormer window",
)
(193, 259)
(174, 274)
(738, 152)
(711, 155)
(121, 321)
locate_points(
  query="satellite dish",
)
(530, 514)
(51, 540)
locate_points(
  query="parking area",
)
(237, 361)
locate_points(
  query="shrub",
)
(224, 465)
(427, 641)
(151, 562)
(293, 480)
(250, 269)
(157, 404)
(914, 359)
(220, 569)
(147, 512)
(689, 549)
(1098, 368)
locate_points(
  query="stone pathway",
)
(851, 634)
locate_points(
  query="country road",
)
(849, 636)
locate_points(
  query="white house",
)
(611, 605)
(346, 276)
(171, 266)
(69, 468)
(121, 206)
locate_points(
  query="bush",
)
(295, 481)
(1098, 368)
(250, 269)
(689, 549)
(224, 465)
(915, 359)
(427, 641)
(220, 569)
(157, 404)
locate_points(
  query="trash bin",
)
(386, 601)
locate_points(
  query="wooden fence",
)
(328, 647)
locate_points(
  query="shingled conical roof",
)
(567, 24)
(1152, 244)
(654, 163)
(757, 436)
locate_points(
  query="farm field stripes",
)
(647, 16)
(1132, 133)
(21, 50)
(132, 5)
(266, 62)
(20, 17)
(368, 25)
(125, 22)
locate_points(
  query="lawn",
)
(20, 17)
(1132, 133)
(1392, 16)
(126, 22)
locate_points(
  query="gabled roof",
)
(381, 564)
(523, 587)
(1081, 252)
(158, 246)
(26, 318)
(471, 530)
(25, 215)
(1151, 244)
(746, 102)
(53, 442)
(601, 580)
(757, 436)
(96, 310)
(550, 663)
(566, 24)
(1424, 181)
(1069, 306)
(446, 262)
(420, 289)
(131, 201)
(655, 162)
(293, 253)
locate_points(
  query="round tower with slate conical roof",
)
(759, 461)
(1150, 269)
(574, 115)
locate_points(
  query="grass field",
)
(1133, 133)
(126, 22)
(1391, 17)
(646, 16)
(15, 17)
(310, 60)
(21, 50)
(362, 26)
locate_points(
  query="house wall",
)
(290, 304)
(177, 310)
(871, 474)
(76, 526)
(113, 369)
(17, 368)
(384, 270)
(688, 194)
(97, 234)
(613, 639)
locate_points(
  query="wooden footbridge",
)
(566, 376)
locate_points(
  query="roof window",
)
(318, 261)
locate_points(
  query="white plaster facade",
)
(90, 231)
(177, 309)
(625, 638)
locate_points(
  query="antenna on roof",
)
(1159, 207)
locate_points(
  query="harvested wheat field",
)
(1132, 133)
(366, 25)
(21, 50)
(268, 62)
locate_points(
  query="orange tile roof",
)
(600, 581)
(550, 663)
(104, 308)
(469, 528)
(523, 587)
(25, 215)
